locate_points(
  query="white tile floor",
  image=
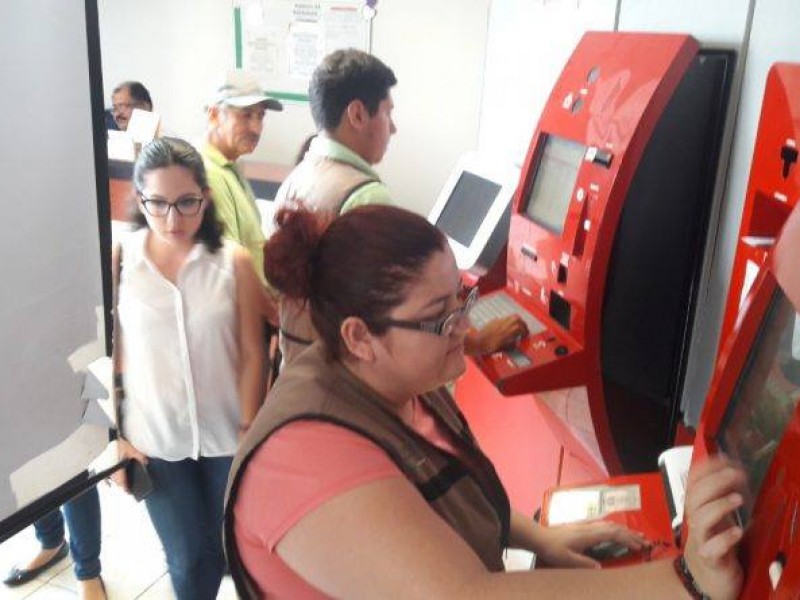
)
(131, 555)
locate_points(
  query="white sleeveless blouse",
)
(181, 353)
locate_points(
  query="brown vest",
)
(323, 185)
(467, 495)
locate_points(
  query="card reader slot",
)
(560, 310)
(529, 252)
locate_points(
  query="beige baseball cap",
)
(241, 89)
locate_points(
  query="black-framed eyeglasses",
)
(444, 326)
(156, 207)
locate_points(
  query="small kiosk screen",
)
(765, 398)
(470, 200)
(554, 181)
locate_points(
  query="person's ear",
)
(358, 339)
(357, 114)
(207, 199)
(214, 112)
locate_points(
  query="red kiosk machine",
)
(752, 415)
(751, 411)
(773, 189)
(607, 230)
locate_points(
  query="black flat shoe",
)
(17, 576)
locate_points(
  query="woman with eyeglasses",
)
(359, 477)
(191, 343)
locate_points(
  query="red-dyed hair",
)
(358, 264)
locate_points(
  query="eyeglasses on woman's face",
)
(188, 206)
(444, 326)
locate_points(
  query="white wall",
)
(437, 50)
(712, 22)
(529, 43)
(180, 48)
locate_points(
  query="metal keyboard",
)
(501, 305)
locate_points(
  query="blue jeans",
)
(83, 521)
(186, 510)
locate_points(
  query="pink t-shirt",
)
(299, 468)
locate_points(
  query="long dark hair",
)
(359, 264)
(173, 152)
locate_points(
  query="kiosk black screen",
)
(764, 399)
(556, 172)
(470, 200)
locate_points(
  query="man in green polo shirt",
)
(351, 103)
(235, 122)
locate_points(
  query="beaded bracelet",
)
(685, 575)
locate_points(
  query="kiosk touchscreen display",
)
(466, 207)
(765, 398)
(556, 172)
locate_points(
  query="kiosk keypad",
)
(501, 305)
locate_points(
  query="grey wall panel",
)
(49, 248)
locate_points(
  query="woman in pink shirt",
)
(360, 479)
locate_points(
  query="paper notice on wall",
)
(306, 42)
(282, 41)
(344, 25)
